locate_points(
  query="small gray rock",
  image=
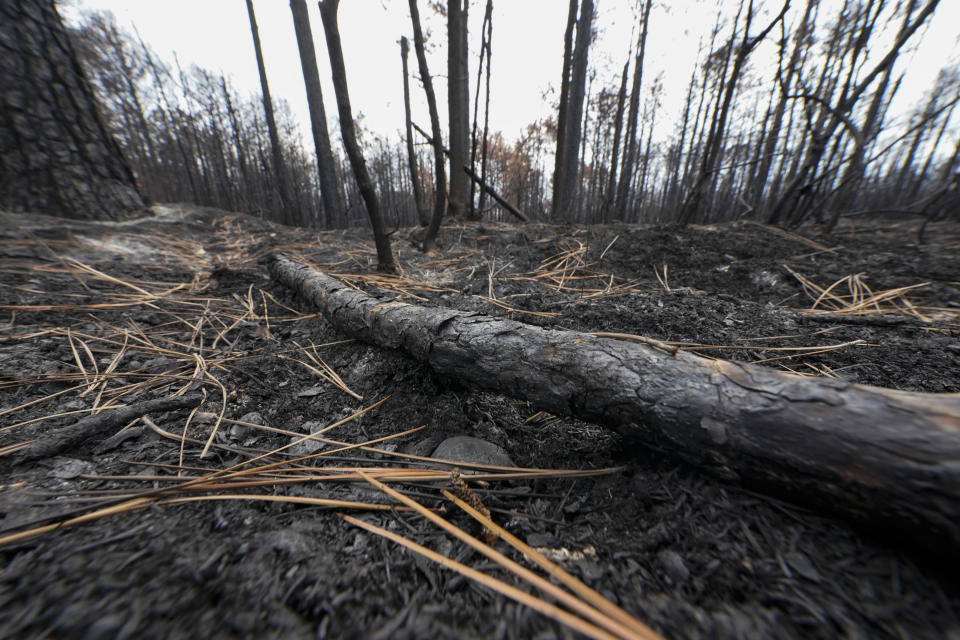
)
(801, 563)
(69, 468)
(305, 448)
(673, 567)
(537, 539)
(242, 432)
(472, 450)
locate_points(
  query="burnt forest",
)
(677, 356)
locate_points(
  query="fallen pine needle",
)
(581, 607)
(510, 591)
(556, 571)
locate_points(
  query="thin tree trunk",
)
(646, 164)
(609, 196)
(474, 212)
(559, 178)
(422, 215)
(439, 170)
(673, 189)
(574, 187)
(169, 126)
(914, 189)
(276, 153)
(328, 14)
(458, 103)
(121, 54)
(569, 155)
(765, 159)
(630, 142)
(331, 190)
(238, 144)
(488, 43)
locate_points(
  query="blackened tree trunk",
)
(887, 458)
(328, 13)
(331, 190)
(608, 198)
(275, 151)
(556, 213)
(485, 31)
(565, 177)
(631, 143)
(56, 156)
(439, 170)
(487, 43)
(422, 215)
(458, 103)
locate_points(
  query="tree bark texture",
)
(56, 156)
(887, 458)
(331, 190)
(328, 14)
(458, 103)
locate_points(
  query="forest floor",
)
(96, 315)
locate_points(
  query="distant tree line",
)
(808, 138)
(811, 139)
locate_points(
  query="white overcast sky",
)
(527, 48)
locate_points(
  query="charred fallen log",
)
(92, 427)
(878, 456)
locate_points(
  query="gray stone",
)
(472, 450)
(673, 566)
(242, 431)
(305, 448)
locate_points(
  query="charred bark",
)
(630, 141)
(422, 215)
(331, 189)
(566, 174)
(878, 456)
(286, 215)
(328, 15)
(458, 103)
(439, 172)
(92, 427)
(56, 155)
